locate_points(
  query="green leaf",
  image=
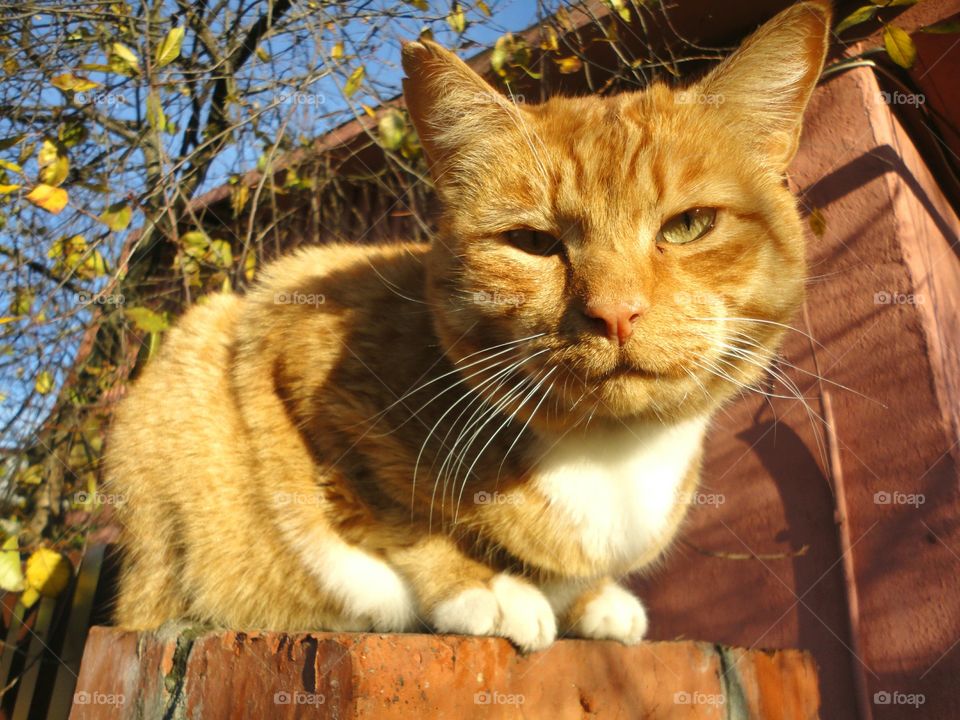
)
(11, 569)
(22, 302)
(44, 383)
(392, 128)
(860, 15)
(195, 242)
(354, 81)
(147, 320)
(116, 216)
(169, 49)
(947, 27)
(220, 253)
(899, 46)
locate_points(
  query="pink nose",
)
(617, 317)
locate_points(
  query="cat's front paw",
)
(509, 607)
(614, 614)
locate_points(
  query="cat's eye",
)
(688, 226)
(534, 242)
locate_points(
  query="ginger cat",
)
(481, 435)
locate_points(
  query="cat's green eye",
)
(688, 226)
(534, 242)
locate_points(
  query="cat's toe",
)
(471, 612)
(614, 614)
(526, 617)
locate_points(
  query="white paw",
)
(614, 614)
(472, 612)
(510, 608)
(526, 617)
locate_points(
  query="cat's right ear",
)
(452, 108)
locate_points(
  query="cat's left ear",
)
(452, 108)
(765, 85)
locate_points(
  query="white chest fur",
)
(616, 488)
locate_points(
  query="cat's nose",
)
(617, 317)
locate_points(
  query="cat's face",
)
(639, 253)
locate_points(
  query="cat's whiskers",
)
(476, 393)
(454, 371)
(485, 412)
(506, 422)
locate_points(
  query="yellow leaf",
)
(10, 65)
(75, 83)
(33, 475)
(569, 65)
(250, 266)
(7, 189)
(123, 60)
(817, 222)
(116, 217)
(11, 571)
(484, 8)
(12, 167)
(48, 573)
(262, 54)
(899, 46)
(336, 52)
(155, 115)
(146, 319)
(239, 196)
(354, 81)
(51, 199)
(457, 19)
(418, 4)
(169, 49)
(549, 40)
(563, 17)
(54, 164)
(44, 383)
(860, 15)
